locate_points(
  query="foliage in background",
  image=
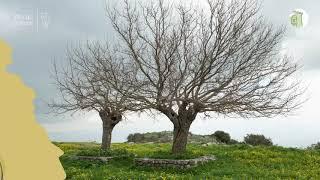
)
(167, 136)
(257, 139)
(233, 141)
(222, 136)
(315, 146)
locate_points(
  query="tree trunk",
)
(180, 138)
(182, 122)
(109, 121)
(106, 136)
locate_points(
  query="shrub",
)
(233, 141)
(136, 138)
(257, 139)
(222, 136)
(315, 146)
(130, 138)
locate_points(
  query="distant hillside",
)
(167, 136)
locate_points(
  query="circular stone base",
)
(182, 164)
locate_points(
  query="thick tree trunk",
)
(180, 138)
(109, 121)
(182, 122)
(106, 135)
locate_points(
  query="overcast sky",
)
(39, 31)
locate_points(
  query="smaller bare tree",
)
(96, 78)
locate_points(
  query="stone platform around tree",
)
(152, 162)
(174, 163)
(93, 158)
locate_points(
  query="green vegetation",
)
(233, 162)
(167, 136)
(222, 136)
(315, 146)
(257, 139)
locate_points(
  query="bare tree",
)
(96, 78)
(221, 58)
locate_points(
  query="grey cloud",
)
(70, 21)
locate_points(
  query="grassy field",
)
(233, 162)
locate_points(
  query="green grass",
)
(233, 162)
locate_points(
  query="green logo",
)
(299, 18)
(296, 19)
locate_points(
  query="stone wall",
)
(182, 164)
(164, 163)
(93, 158)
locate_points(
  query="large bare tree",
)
(222, 58)
(96, 78)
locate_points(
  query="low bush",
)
(257, 139)
(315, 146)
(136, 137)
(222, 136)
(233, 141)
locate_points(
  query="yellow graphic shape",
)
(25, 150)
